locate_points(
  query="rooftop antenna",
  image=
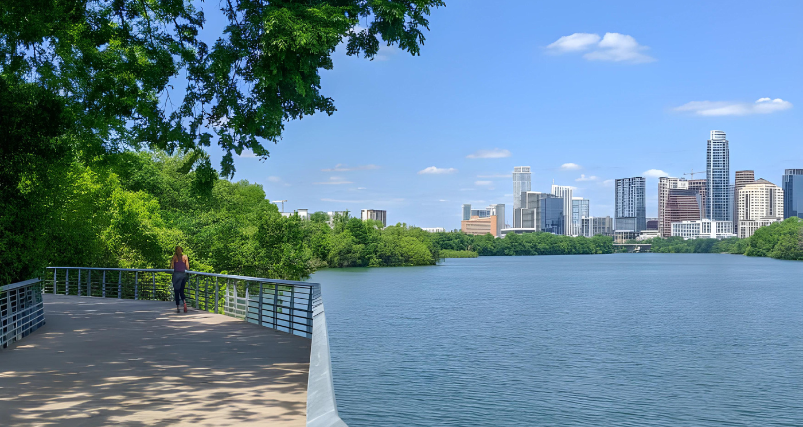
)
(692, 173)
(282, 202)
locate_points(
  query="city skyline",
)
(431, 141)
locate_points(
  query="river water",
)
(588, 340)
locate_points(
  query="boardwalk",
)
(101, 362)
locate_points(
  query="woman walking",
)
(180, 264)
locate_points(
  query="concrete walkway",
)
(101, 362)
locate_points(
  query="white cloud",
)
(335, 180)
(340, 167)
(586, 178)
(607, 183)
(496, 153)
(574, 42)
(443, 200)
(496, 175)
(361, 188)
(570, 166)
(619, 47)
(483, 182)
(612, 47)
(655, 173)
(724, 108)
(432, 170)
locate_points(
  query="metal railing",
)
(21, 310)
(283, 305)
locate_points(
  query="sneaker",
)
(185, 306)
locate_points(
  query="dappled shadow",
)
(106, 361)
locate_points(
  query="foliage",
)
(448, 253)
(523, 244)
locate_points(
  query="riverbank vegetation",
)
(448, 253)
(780, 240)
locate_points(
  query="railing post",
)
(89, 283)
(217, 295)
(197, 289)
(136, 285)
(206, 294)
(67, 282)
(120, 284)
(104, 283)
(259, 306)
(79, 282)
(309, 313)
(292, 309)
(275, 305)
(54, 280)
(153, 295)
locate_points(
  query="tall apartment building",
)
(376, 215)
(484, 221)
(580, 208)
(742, 178)
(793, 193)
(701, 187)
(565, 192)
(760, 203)
(592, 226)
(719, 192)
(630, 209)
(521, 183)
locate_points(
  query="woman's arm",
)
(171, 262)
(186, 262)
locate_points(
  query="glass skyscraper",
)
(793, 193)
(521, 183)
(553, 218)
(630, 209)
(717, 167)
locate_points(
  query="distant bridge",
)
(634, 247)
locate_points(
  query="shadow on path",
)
(100, 362)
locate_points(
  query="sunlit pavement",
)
(100, 362)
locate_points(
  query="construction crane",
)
(692, 173)
(280, 201)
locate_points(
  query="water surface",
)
(601, 340)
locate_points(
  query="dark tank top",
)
(179, 266)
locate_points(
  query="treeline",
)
(781, 240)
(523, 244)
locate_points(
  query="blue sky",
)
(496, 86)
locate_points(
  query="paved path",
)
(100, 362)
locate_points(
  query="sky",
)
(583, 92)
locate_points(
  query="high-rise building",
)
(466, 212)
(565, 192)
(677, 202)
(553, 215)
(717, 167)
(630, 209)
(521, 183)
(665, 184)
(580, 208)
(793, 193)
(760, 204)
(529, 213)
(592, 226)
(376, 215)
(701, 187)
(742, 178)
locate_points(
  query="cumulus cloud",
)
(614, 47)
(496, 153)
(340, 167)
(724, 108)
(570, 166)
(583, 177)
(335, 180)
(432, 170)
(655, 173)
(574, 42)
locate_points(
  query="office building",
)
(701, 187)
(652, 224)
(528, 214)
(793, 193)
(466, 212)
(647, 235)
(676, 203)
(703, 228)
(374, 214)
(552, 215)
(630, 208)
(591, 226)
(760, 203)
(565, 193)
(521, 183)
(719, 192)
(484, 221)
(665, 184)
(742, 178)
(580, 208)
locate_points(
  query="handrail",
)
(200, 273)
(321, 402)
(22, 310)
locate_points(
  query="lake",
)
(585, 340)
